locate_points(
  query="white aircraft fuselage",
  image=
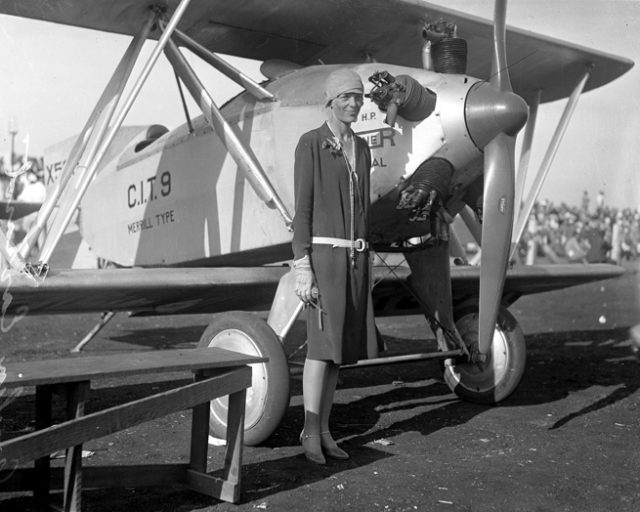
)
(182, 199)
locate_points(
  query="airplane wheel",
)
(494, 380)
(268, 396)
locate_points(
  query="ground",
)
(566, 440)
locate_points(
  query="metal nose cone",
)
(489, 111)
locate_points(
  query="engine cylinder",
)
(450, 55)
(418, 102)
(434, 173)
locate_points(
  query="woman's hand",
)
(305, 280)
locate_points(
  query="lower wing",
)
(202, 290)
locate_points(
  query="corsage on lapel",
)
(333, 144)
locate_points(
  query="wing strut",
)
(471, 221)
(475, 228)
(543, 171)
(104, 142)
(525, 152)
(101, 114)
(244, 158)
(105, 318)
(224, 67)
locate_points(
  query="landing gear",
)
(268, 396)
(493, 380)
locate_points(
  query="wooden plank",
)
(101, 477)
(40, 484)
(235, 439)
(74, 369)
(210, 485)
(77, 394)
(199, 433)
(99, 424)
(227, 488)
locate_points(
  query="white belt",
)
(359, 244)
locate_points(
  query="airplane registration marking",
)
(53, 171)
(152, 221)
(144, 191)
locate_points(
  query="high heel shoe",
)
(313, 455)
(331, 448)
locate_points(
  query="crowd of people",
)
(588, 233)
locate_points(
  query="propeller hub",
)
(490, 111)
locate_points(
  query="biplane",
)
(197, 219)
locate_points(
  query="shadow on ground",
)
(595, 358)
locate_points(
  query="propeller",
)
(494, 116)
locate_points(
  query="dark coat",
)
(342, 329)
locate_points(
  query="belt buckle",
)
(360, 245)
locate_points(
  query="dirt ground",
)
(566, 440)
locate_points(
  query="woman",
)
(331, 257)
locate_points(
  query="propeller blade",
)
(499, 190)
(497, 224)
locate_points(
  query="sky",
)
(52, 76)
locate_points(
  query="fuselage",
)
(182, 200)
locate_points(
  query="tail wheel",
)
(495, 379)
(268, 396)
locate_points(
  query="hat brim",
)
(348, 91)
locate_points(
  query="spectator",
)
(576, 247)
(616, 240)
(600, 203)
(585, 202)
(32, 191)
(598, 247)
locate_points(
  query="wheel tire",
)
(268, 396)
(498, 377)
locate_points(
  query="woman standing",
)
(331, 257)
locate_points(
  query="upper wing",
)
(203, 290)
(339, 31)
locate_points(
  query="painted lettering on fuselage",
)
(53, 172)
(145, 191)
(152, 221)
(379, 138)
(368, 116)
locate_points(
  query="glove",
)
(305, 287)
(419, 199)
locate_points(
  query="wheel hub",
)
(484, 371)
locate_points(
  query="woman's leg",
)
(314, 383)
(319, 381)
(328, 443)
(328, 394)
